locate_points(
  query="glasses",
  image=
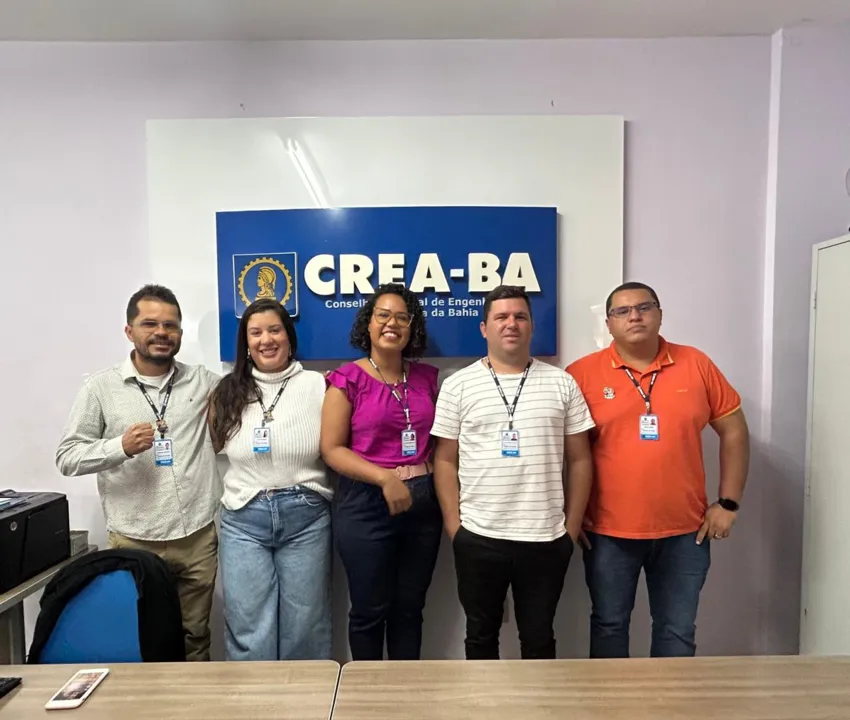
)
(623, 311)
(150, 326)
(382, 317)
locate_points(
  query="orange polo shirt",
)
(650, 488)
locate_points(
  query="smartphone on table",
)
(77, 690)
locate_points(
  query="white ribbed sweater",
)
(294, 458)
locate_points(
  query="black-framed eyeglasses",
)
(383, 316)
(623, 311)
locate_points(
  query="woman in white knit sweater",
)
(275, 552)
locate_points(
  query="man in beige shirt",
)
(141, 426)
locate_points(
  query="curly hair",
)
(418, 341)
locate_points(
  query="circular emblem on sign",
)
(265, 278)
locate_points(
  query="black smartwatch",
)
(728, 504)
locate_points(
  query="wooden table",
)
(184, 691)
(776, 688)
(12, 629)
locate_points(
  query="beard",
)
(156, 357)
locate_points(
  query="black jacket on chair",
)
(160, 621)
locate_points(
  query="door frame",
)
(804, 585)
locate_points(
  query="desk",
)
(12, 629)
(184, 691)
(778, 688)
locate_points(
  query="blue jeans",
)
(389, 561)
(675, 567)
(275, 559)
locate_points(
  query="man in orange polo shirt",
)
(648, 510)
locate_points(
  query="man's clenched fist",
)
(137, 439)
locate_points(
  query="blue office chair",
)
(98, 626)
(111, 606)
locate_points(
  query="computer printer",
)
(34, 535)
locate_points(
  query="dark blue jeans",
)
(389, 561)
(675, 567)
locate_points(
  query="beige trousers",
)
(194, 562)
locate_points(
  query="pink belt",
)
(408, 472)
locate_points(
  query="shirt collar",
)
(484, 363)
(128, 370)
(662, 359)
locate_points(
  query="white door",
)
(825, 621)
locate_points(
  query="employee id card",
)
(163, 452)
(510, 443)
(262, 439)
(408, 443)
(649, 427)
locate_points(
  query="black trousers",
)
(535, 572)
(389, 561)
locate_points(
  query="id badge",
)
(649, 427)
(262, 439)
(408, 443)
(510, 443)
(163, 452)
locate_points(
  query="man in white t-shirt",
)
(512, 433)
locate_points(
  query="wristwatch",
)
(728, 504)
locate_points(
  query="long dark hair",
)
(418, 341)
(237, 389)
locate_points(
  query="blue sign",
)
(322, 265)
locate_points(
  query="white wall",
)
(197, 168)
(73, 222)
(811, 152)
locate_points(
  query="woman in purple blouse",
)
(376, 424)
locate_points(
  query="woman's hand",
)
(396, 494)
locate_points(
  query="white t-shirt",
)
(156, 381)
(512, 498)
